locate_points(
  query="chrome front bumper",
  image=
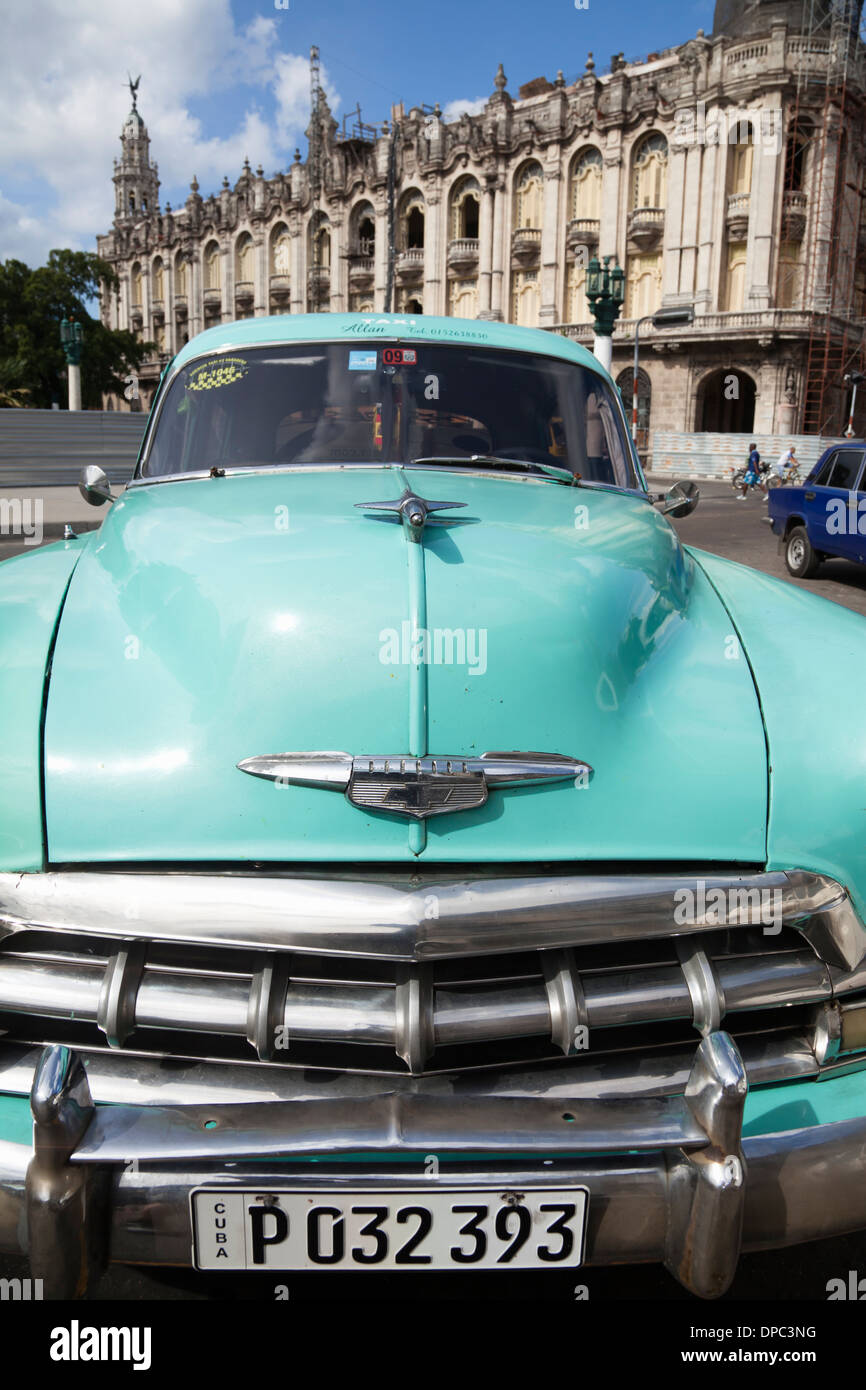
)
(670, 1178)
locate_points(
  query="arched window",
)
(741, 138)
(585, 186)
(180, 274)
(212, 272)
(362, 236)
(789, 277)
(465, 205)
(625, 386)
(158, 279)
(280, 250)
(411, 234)
(413, 306)
(800, 135)
(576, 303)
(320, 243)
(643, 284)
(244, 254)
(650, 171)
(529, 196)
(135, 285)
(525, 298)
(463, 299)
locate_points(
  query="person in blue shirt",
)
(753, 473)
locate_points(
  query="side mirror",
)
(680, 500)
(94, 486)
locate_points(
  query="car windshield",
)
(341, 403)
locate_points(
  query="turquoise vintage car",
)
(411, 854)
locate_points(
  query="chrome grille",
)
(298, 970)
(308, 1010)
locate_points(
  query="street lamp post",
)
(72, 338)
(854, 378)
(605, 292)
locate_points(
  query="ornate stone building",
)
(724, 174)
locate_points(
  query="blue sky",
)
(222, 79)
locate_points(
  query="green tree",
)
(32, 304)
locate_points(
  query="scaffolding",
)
(820, 157)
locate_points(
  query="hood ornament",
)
(413, 511)
(415, 787)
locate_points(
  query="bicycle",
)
(738, 482)
(792, 476)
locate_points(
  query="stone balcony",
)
(244, 292)
(136, 318)
(319, 277)
(645, 227)
(463, 254)
(526, 245)
(409, 265)
(794, 216)
(362, 272)
(212, 297)
(181, 310)
(158, 310)
(582, 231)
(281, 287)
(737, 216)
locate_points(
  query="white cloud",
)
(63, 101)
(454, 110)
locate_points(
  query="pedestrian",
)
(752, 474)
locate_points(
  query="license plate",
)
(415, 1228)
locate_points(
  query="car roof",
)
(292, 328)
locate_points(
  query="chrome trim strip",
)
(387, 916)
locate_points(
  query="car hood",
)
(212, 620)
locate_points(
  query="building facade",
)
(723, 174)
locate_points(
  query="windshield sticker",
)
(223, 372)
(399, 357)
(362, 361)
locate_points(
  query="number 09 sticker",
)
(399, 357)
(225, 371)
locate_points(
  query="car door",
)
(830, 519)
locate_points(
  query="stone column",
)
(339, 267)
(298, 255)
(435, 251)
(710, 232)
(195, 318)
(485, 251)
(380, 256)
(673, 225)
(260, 272)
(227, 281)
(552, 243)
(764, 197)
(501, 256)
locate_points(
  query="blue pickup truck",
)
(825, 516)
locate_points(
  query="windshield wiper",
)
(563, 475)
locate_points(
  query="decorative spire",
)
(590, 65)
(500, 79)
(133, 87)
(560, 78)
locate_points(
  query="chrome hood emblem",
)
(416, 787)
